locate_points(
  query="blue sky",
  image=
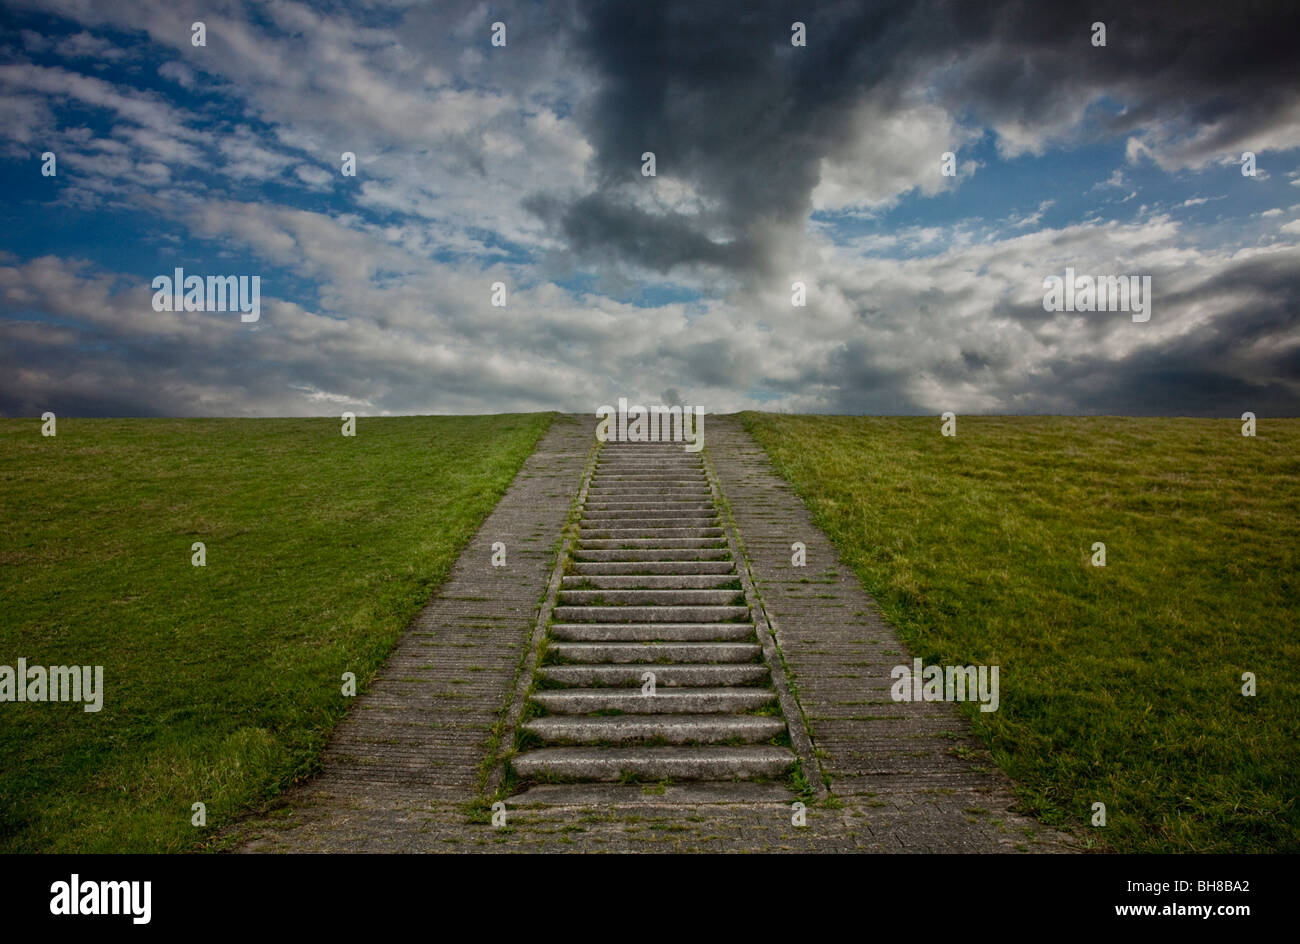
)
(520, 164)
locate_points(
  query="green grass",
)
(222, 682)
(1119, 684)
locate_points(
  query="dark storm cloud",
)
(862, 387)
(726, 104)
(1186, 379)
(1272, 282)
(601, 229)
(716, 363)
(1190, 67)
(1245, 357)
(724, 101)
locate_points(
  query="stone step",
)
(652, 449)
(687, 674)
(693, 651)
(634, 796)
(651, 524)
(663, 450)
(617, 568)
(649, 491)
(668, 493)
(650, 462)
(606, 473)
(655, 524)
(622, 479)
(642, 509)
(676, 454)
(720, 762)
(692, 519)
(631, 544)
(675, 729)
(600, 533)
(585, 701)
(630, 488)
(651, 632)
(651, 582)
(652, 468)
(653, 511)
(723, 597)
(677, 459)
(669, 455)
(621, 501)
(654, 556)
(650, 614)
(643, 496)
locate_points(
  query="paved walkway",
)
(402, 768)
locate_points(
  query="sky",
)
(521, 163)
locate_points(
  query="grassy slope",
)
(223, 681)
(1119, 684)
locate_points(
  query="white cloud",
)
(313, 176)
(85, 45)
(1031, 219)
(962, 329)
(1116, 179)
(889, 152)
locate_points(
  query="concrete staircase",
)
(652, 587)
